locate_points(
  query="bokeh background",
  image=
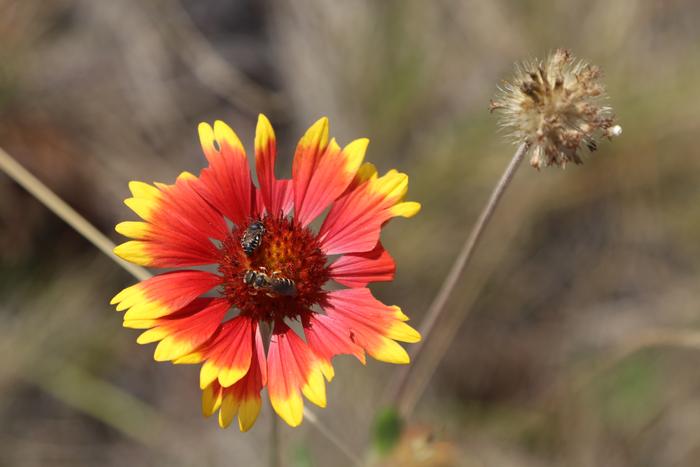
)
(575, 328)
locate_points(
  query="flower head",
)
(271, 269)
(556, 107)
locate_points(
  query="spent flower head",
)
(556, 106)
(271, 269)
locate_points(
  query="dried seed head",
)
(556, 107)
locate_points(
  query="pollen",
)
(556, 106)
(286, 251)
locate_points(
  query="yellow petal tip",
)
(225, 134)
(406, 209)
(264, 133)
(291, 410)
(134, 252)
(317, 135)
(186, 176)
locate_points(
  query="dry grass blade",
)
(59, 207)
(208, 65)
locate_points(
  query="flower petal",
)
(354, 222)
(212, 397)
(372, 325)
(178, 225)
(359, 269)
(227, 355)
(333, 171)
(285, 190)
(163, 294)
(242, 398)
(293, 369)
(275, 194)
(226, 183)
(309, 151)
(183, 331)
(327, 336)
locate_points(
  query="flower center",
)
(273, 269)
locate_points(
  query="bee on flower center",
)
(273, 285)
(252, 237)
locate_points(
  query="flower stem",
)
(59, 207)
(275, 443)
(69, 215)
(404, 398)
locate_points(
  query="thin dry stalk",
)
(332, 437)
(404, 403)
(59, 207)
(208, 66)
(275, 442)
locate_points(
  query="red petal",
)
(309, 150)
(186, 212)
(285, 192)
(328, 337)
(243, 398)
(354, 222)
(226, 183)
(372, 325)
(293, 369)
(163, 294)
(359, 269)
(183, 331)
(228, 353)
(331, 175)
(274, 193)
(178, 228)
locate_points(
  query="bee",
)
(258, 280)
(252, 237)
(283, 286)
(273, 285)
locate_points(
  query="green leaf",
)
(387, 430)
(302, 456)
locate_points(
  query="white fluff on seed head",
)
(556, 106)
(615, 131)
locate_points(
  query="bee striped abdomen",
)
(283, 286)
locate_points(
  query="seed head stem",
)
(404, 399)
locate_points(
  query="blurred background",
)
(575, 327)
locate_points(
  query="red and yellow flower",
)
(200, 221)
